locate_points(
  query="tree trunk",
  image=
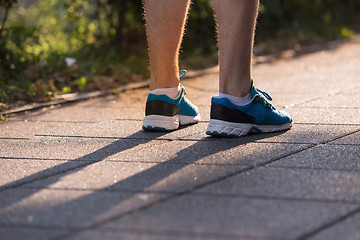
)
(4, 20)
(120, 6)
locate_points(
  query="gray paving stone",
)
(203, 101)
(18, 233)
(136, 97)
(125, 234)
(132, 129)
(206, 83)
(353, 139)
(220, 152)
(71, 148)
(285, 100)
(312, 83)
(131, 165)
(95, 110)
(336, 117)
(119, 158)
(18, 170)
(348, 229)
(308, 133)
(313, 76)
(168, 177)
(236, 216)
(314, 71)
(31, 129)
(113, 129)
(329, 156)
(26, 161)
(83, 114)
(307, 184)
(66, 209)
(299, 133)
(336, 101)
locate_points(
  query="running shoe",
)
(230, 120)
(163, 113)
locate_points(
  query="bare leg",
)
(165, 20)
(236, 24)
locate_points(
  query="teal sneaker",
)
(163, 113)
(230, 120)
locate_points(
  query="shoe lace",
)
(260, 98)
(182, 73)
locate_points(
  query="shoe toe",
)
(286, 117)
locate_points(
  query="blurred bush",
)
(60, 46)
(303, 22)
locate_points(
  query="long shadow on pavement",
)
(77, 213)
(54, 173)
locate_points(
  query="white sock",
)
(240, 101)
(170, 92)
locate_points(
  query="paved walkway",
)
(87, 170)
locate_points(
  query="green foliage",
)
(346, 32)
(66, 90)
(39, 37)
(107, 39)
(81, 83)
(303, 22)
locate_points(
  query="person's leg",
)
(165, 20)
(236, 23)
(240, 108)
(166, 107)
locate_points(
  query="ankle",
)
(164, 80)
(236, 88)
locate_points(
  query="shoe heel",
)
(160, 123)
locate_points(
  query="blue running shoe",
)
(163, 113)
(230, 120)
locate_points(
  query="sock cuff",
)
(240, 101)
(170, 92)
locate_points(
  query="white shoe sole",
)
(164, 123)
(229, 129)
